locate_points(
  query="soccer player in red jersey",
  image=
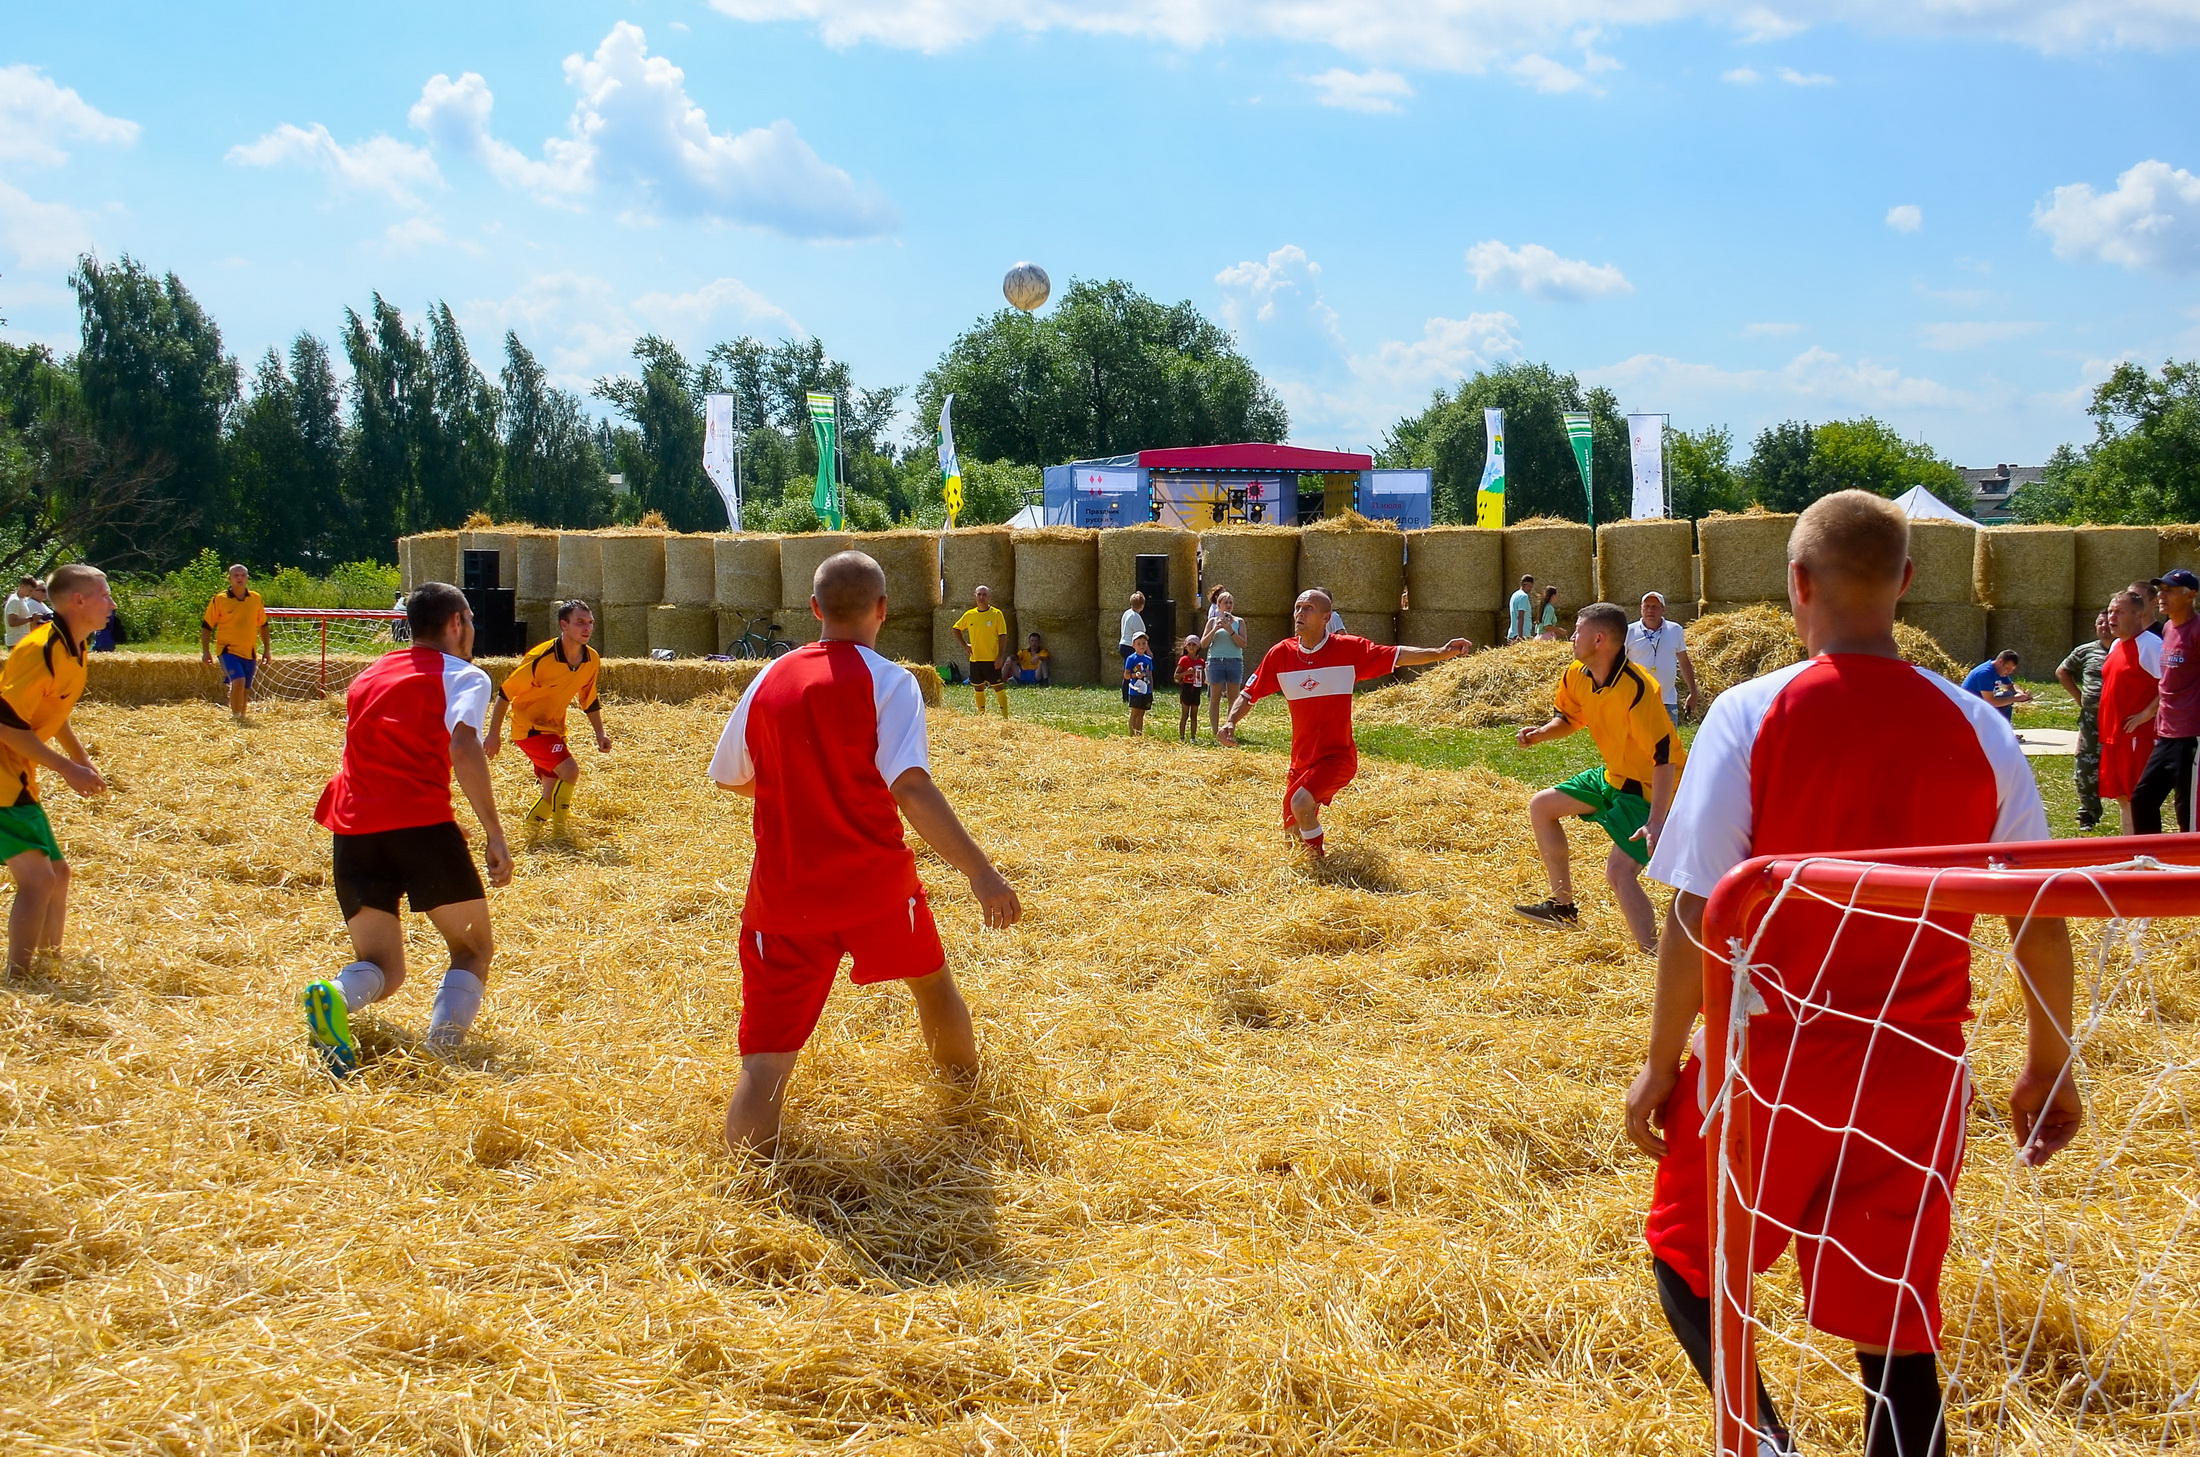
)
(412, 721)
(1850, 750)
(1315, 672)
(829, 742)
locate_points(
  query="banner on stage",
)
(1108, 482)
(718, 458)
(1646, 448)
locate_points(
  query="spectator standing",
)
(1659, 645)
(2177, 725)
(2080, 676)
(1546, 623)
(1138, 683)
(26, 608)
(1191, 682)
(1134, 623)
(2125, 711)
(1223, 642)
(1520, 614)
(1996, 682)
(983, 632)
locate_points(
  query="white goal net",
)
(316, 652)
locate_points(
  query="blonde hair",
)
(1853, 535)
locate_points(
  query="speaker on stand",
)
(1151, 577)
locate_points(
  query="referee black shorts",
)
(429, 865)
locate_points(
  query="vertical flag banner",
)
(1489, 501)
(718, 454)
(1580, 435)
(1646, 447)
(951, 475)
(824, 424)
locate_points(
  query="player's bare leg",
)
(238, 693)
(41, 909)
(1624, 875)
(464, 926)
(378, 938)
(1547, 813)
(1306, 814)
(944, 1019)
(759, 1096)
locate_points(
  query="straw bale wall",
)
(634, 568)
(1635, 557)
(745, 573)
(690, 632)
(1552, 552)
(1360, 563)
(1058, 573)
(2109, 559)
(539, 617)
(691, 571)
(799, 625)
(580, 567)
(1379, 627)
(1695, 576)
(1263, 632)
(1117, 575)
(1455, 569)
(906, 639)
(799, 559)
(1069, 637)
(1942, 554)
(1428, 628)
(945, 648)
(1257, 565)
(405, 562)
(734, 622)
(2040, 635)
(1959, 627)
(1744, 557)
(504, 543)
(978, 556)
(2178, 546)
(911, 561)
(2027, 566)
(538, 566)
(622, 629)
(435, 557)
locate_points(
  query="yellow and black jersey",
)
(236, 623)
(42, 681)
(544, 683)
(1625, 714)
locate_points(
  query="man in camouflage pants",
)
(2080, 675)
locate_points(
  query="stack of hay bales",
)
(580, 569)
(2028, 576)
(1455, 586)
(911, 560)
(1057, 582)
(434, 558)
(1745, 560)
(1637, 557)
(799, 559)
(633, 586)
(1556, 553)
(970, 558)
(2109, 559)
(405, 563)
(685, 620)
(537, 583)
(1361, 564)
(1939, 603)
(1259, 567)
(1117, 577)
(744, 584)
(501, 540)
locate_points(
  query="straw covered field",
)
(1263, 1160)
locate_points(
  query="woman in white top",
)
(1223, 642)
(1134, 623)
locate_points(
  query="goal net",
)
(2069, 1301)
(316, 652)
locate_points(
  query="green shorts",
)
(1619, 813)
(25, 827)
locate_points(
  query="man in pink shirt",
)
(2170, 768)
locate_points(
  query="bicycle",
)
(754, 643)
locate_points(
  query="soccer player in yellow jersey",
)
(557, 673)
(235, 625)
(42, 681)
(983, 632)
(1623, 708)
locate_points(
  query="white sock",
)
(1313, 834)
(456, 1003)
(361, 983)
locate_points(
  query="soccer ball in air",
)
(1027, 286)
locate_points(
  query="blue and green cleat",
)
(328, 1023)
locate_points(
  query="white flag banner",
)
(1646, 448)
(718, 461)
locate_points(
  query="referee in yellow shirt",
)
(553, 675)
(983, 632)
(235, 625)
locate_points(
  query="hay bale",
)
(622, 629)
(2081, 625)
(979, 556)
(906, 639)
(1263, 632)
(504, 543)
(539, 618)
(911, 561)
(1456, 569)
(799, 558)
(1360, 563)
(1552, 552)
(1745, 556)
(139, 678)
(2026, 566)
(690, 632)
(1379, 627)
(2109, 559)
(733, 624)
(435, 557)
(1959, 628)
(538, 566)
(2041, 637)
(945, 649)
(1423, 628)
(580, 567)
(633, 568)
(799, 626)
(745, 573)
(691, 571)
(1258, 565)
(1941, 556)
(1634, 557)
(405, 563)
(1070, 638)
(2178, 546)
(1117, 573)
(1058, 572)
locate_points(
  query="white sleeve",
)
(900, 706)
(2150, 653)
(1708, 830)
(466, 694)
(730, 762)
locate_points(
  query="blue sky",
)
(1955, 216)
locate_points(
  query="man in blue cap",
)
(2169, 769)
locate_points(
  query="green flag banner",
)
(826, 499)
(1579, 435)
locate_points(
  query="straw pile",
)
(1556, 553)
(690, 632)
(1744, 557)
(1456, 569)
(1360, 563)
(1735, 647)
(2109, 559)
(622, 630)
(1959, 627)
(745, 573)
(633, 567)
(1258, 565)
(799, 558)
(2179, 547)
(580, 567)
(979, 556)
(138, 678)
(691, 570)
(435, 557)
(1513, 684)
(1941, 557)
(1635, 557)
(1432, 629)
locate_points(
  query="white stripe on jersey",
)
(1317, 682)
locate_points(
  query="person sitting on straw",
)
(553, 675)
(412, 722)
(235, 624)
(1315, 671)
(983, 632)
(1850, 750)
(1619, 704)
(1031, 663)
(829, 742)
(41, 683)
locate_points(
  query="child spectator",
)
(1191, 680)
(1138, 682)
(1031, 663)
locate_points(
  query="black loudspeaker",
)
(1151, 574)
(496, 633)
(480, 571)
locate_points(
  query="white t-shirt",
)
(1336, 623)
(2150, 652)
(1659, 652)
(37, 611)
(1133, 625)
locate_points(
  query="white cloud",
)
(1907, 217)
(582, 328)
(37, 116)
(455, 115)
(1803, 78)
(1548, 76)
(1770, 330)
(1815, 380)
(1742, 76)
(721, 296)
(2151, 219)
(1535, 270)
(397, 170)
(37, 234)
(1374, 90)
(412, 234)
(1448, 350)
(1971, 334)
(1278, 302)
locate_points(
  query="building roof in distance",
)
(1254, 455)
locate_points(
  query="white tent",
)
(1920, 504)
(1029, 519)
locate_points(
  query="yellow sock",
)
(1002, 695)
(981, 699)
(563, 796)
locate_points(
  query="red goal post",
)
(318, 650)
(2128, 880)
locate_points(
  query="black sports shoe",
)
(1551, 913)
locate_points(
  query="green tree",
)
(2143, 465)
(286, 462)
(665, 407)
(1781, 474)
(1700, 464)
(66, 491)
(1867, 455)
(457, 432)
(551, 472)
(380, 477)
(1541, 476)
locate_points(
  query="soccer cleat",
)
(328, 1023)
(1549, 912)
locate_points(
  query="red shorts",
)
(785, 979)
(1866, 1200)
(1322, 778)
(545, 751)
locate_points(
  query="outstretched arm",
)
(2043, 1102)
(495, 742)
(1458, 647)
(1673, 1009)
(937, 824)
(1557, 728)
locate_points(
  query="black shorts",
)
(1188, 695)
(985, 672)
(427, 864)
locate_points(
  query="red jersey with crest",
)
(1317, 684)
(399, 715)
